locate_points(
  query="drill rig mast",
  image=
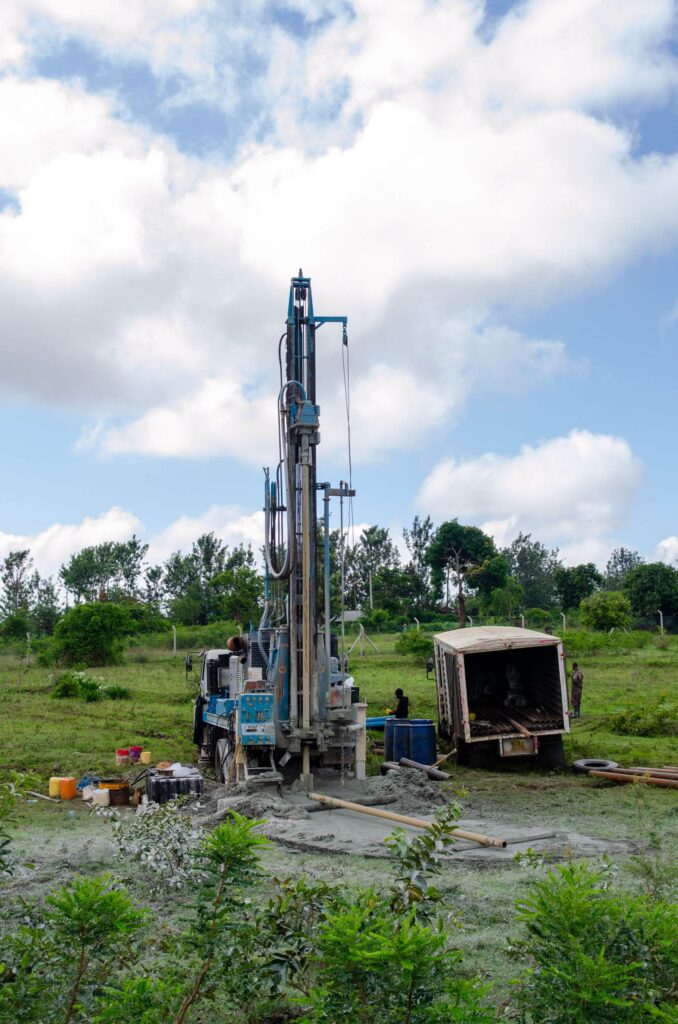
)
(292, 697)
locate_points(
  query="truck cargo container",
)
(502, 693)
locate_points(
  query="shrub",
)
(646, 718)
(414, 642)
(117, 692)
(608, 609)
(599, 956)
(91, 634)
(77, 684)
(66, 686)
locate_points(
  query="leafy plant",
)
(116, 692)
(164, 840)
(54, 966)
(11, 791)
(646, 717)
(414, 642)
(229, 857)
(599, 956)
(416, 860)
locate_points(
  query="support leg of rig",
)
(306, 777)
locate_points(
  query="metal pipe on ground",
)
(659, 773)
(647, 779)
(433, 773)
(346, 805)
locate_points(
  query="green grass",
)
(42, 735)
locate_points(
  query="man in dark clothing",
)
(403, 706)
(577, 687)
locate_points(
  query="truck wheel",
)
(461, 756)
(587, 764)
(551, 753)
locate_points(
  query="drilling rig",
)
(280, 701)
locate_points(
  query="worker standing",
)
(577, 687)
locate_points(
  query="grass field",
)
(43, 736)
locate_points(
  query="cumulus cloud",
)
(572, 491)
(440, 189)
(667, 551)
(56, 543)
(231, 524)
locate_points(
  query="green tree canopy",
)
(574, 583)
(91, 634)
(620, 562)
(460, 551)
(651, 588)
(533, 566)
(606, 610)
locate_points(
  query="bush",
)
(117, 692)
(414, 642)
(599, 956)
(90, 634)
(608, 609)
(646, 718)
(579, 642)
(66, 686)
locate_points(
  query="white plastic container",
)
(102, 797)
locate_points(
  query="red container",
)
(122, 756)
(135, 753)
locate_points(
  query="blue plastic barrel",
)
(388, 739)
(422, 741)
(401, 739)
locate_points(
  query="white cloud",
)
(572, 491)
(147, 287)
(231, 524)
(667, 551)
(55, 544)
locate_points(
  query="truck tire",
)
(461, 756)
(587, 764)
(551, 753)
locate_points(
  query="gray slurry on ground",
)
(296, 822)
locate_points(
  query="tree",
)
(240, 592)
(490, 576)
(651, 588)
(129, 557)
(418, 540)
(504, 600)
(620, 562)
(91, 634)
(460, 550)
(373, 552)
(574, 583)
(46, 607)
(606, 610)
(18, 583)
(533, 566)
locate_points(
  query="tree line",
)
(452, 570)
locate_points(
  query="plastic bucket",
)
(122, 756)
(145, 757)
(422, 740)
(135, 754)
(55, 786)
(67, 788)
(401, 739)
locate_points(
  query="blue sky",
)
(488, 191)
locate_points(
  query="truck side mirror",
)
(189, 663)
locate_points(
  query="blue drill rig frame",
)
(281, 698)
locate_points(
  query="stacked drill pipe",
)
(666, 778)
